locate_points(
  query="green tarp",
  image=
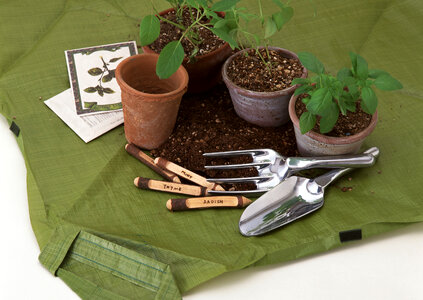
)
(107, 239)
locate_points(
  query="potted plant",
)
(185, 34)
(259, 77)
(335, 114)
(150, 104)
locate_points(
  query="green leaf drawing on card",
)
(90, 89)
(115, 59)
(107, 78)
(108, 90)
(95, 71)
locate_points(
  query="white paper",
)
(86, 127)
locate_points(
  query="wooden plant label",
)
(149, 162)
(207, 202)
(171, 187)
(187, 174)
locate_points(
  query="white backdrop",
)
(389, 266)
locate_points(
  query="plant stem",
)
(192, 25)
(170, 22)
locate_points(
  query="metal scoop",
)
(293, 198)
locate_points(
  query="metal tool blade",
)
(283, 204)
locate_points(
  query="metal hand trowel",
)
(293, 198)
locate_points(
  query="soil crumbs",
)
(249, 71)
(169, 33)
(350, 124)
(208, 123)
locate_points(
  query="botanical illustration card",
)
(92, 76)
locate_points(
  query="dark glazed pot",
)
(266, 109)
(205, 72)
(150, 105)
(316, 144)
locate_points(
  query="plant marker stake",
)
(207, 202)
(170, 187)
(149, 162)
(187, 174)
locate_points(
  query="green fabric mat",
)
(107, 239)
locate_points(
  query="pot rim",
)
(331, 139)
(198, 57)
(246, 92)
(164, 96)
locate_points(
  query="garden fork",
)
(273, 168)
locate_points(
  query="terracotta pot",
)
(205, 73)
(316, 144)
(150, 105)
(266, 109)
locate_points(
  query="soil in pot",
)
(350, 124)
(208, 123)
(249, 71)
(169, 33)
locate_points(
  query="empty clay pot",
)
(266, 109)
(316, 144)
(150, 104)
(205, 72)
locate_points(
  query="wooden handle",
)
(187, 174)
(171, 187)
(207, 202)
(149, 162)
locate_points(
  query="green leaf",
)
(95, 71)
(300, 81)
(282, 17)
(149, 30)
(307, 122)
(376, 73)
(279, 3)
(270, 28)
(343, 74)
(108, 90)
(362, 68)
(170, 59)
(328, 121)
(114, 59)
(311, 62)
(90, 90)
(224, 34)
(320, 102)
(220, 23)
(305, 100)
(224, 5)
(303, 89)
(193, 3)
(386, 82)
(353, 58)
(107, 78)
(368, 100)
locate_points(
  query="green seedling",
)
(243, 26)
(328, 96)
(172, 55)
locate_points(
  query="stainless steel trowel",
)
(293, 198)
